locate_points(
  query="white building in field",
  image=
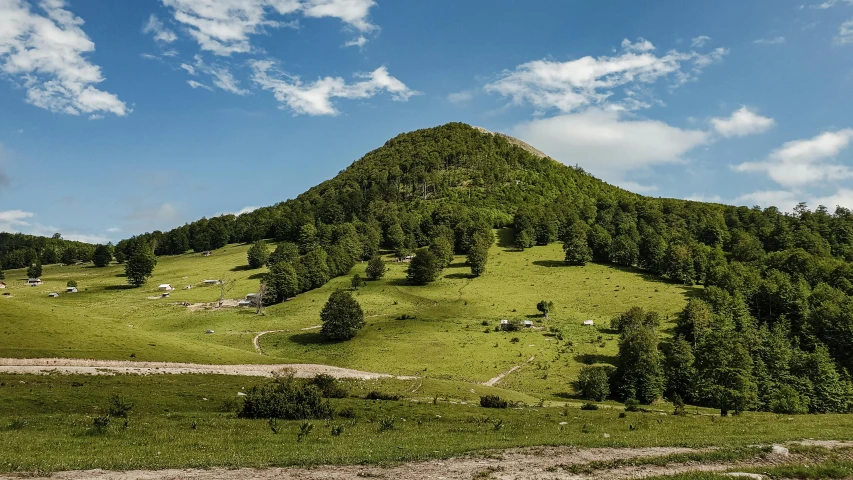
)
(165, 288)
(34, 281)
(588, 323)
(2, 285)
(71, 290)
(52, 294)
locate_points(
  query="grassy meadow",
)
(448, 334)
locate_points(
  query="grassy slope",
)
(59, 410)
(445, 340)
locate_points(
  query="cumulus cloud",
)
(12, 220)
(803, 162)
(45, 50)
(577, 84)
(609, 143)
(741, 123)
(224, 27)
(353, 12)
(315, 98)
(770, 41)
(161, 34)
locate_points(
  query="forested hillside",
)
(773, 329)
(18, 250)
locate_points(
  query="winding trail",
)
(70, 366)
(257, 340)
(493, 381)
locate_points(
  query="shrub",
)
(119, 407)
(632, 405)
(594, 383)
(329, 386)
(285, 398)
(304, 431)
(346, 412)
(493, 401)
(386, 424)
(788, 401)
(100, 424)
(337, 430)
(375, 395)
(589, 406)
(680, 409)
(71, 283)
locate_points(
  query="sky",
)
(120, 117)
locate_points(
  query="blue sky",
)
(123, 117)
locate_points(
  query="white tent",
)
(165, 287)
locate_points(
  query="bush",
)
(119, 407)
(71, 283)
(329, 386)
(589, 406)
(375, 395)
(680, 409)
(632, 405)
(346, 412)
(386, 424)
(788, 401)
(493, 401)
(594, 383)
(100, 424)
(285, 398)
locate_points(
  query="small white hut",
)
(71, 290)
(588, 323)
(165, 288)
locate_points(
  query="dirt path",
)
(257, 340)
(535, 463)
(45, 366)
(493, 381)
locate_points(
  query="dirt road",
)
(44, 366)
(536, 463)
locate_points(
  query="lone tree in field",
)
(423, 268)
(342, 316)
(258, 254)
(375, 268)
(545, 306)
(102, 256)
(34, 271)
(356, 281)
(139, 264)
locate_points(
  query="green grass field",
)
(443, 338)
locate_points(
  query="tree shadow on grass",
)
(457, 265)
(506, 238)
(241, 268)
(256, 276)
(120, 275)
(119, 287)
(568, 396)
(312, 338)
(550, 263)
(593, 358)
(460, 276)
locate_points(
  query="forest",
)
(772, 329)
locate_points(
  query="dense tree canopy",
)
(342, 316)
(140, 264)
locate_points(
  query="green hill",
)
(760, 299)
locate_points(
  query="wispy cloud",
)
(161, 34)
(770, 41)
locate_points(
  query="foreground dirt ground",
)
(536, 463)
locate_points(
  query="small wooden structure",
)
(34, 281)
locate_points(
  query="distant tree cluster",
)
(23, 251)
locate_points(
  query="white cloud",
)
(353, 12)
(224, 26)
(161, 34)
(240, 212)
(194, 85)
(608, 143)
(220, 75)
(845, 33)
(698, 197)
(46, 52)
(804, 162)
(18, 221)
(783, 200)
(113, 230)
(637, 187)
(577, 84)
(700, 41)
(356, 42)
(741, 123)
(832, 3)
(148, 56)
(460, 97)
(770, 41)
(316, 98)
